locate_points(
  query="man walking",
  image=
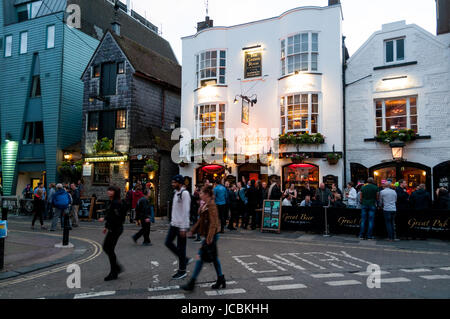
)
(61, 202)
(179, 225)
(143, 213)
(388, 198)
(76, 201)
(369, 198)
(221, 198)
(51, 193)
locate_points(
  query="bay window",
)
(299, 113)
(211, 67)
(396, 114)
(300, 52)
(210, 121)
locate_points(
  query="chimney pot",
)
(205, 24)
(333, 2)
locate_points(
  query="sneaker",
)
(189, 260)
(179, 275)
(147, 244)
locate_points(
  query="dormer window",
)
(28, 10)
(394, 50)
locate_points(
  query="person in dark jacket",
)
(402, 195)
(252, 196)
(114, 217)
(143, 214)
(443, 199)
(275, 190)
(76, 202)
(324, 195)
(234, 207)
(39, 208)
(420, 199)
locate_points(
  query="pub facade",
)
(398, 107)
(131, 103)
(272, 91)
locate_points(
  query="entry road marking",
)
(270, 279)
(434, 277)
(327, 275)
(343, 283)
(179, 296)
(416, 270)
(287, 287)
(225, 292)
(394, 280)
(94, 294)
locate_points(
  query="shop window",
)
(394, 50)
(36, 87)
(93, 120)
(121, 119)
(33, 133)
(300, 113)
(396, 114)
(300, 174)
(412, 175)
(211, 67)
(102, 173)
(121, 68)
(300, 52)
(210, 120)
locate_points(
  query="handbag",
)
(209, 252)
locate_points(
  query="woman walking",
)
(114, 217)
(39, 208)
(209, 227)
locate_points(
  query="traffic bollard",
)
(327, 234)
(66, 230)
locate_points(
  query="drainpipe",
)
(163, 109)
(344, 67)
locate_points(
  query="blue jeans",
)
(199, 264)
(152, 214)
(367, 212)
(58, 213)
(389, 218)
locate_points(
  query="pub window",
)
(101, 173)
(121, 68)
(210, 120)
(300, 113)
(33, 133)
(300, 52)
(211, 67)
(93, 120)
(121, 119)
(396, 114)
(36, 86)
(96, 71)
(394, 50)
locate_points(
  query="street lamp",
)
(397, 149)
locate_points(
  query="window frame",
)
(285, 55)
(218, 67)
(21, 42)
(30, 133)
(99, 66)
(394, 48)
(124, 120)
(89, 127)
(34, 87)
(48, 38)
(9, 36)
(108, 179)
(284, 112)
(408, 113)
(198, 122)
(118, 64)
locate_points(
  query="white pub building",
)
(264, 84)
(398, 105)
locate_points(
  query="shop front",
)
(300, 174)
(254, 172)
(210, 173)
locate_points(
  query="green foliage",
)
(103, 145)
(71, 172)
(387, 137)
(206, 142)
(301, 139)
(151, 166)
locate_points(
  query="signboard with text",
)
(253, 64)
(271, 216)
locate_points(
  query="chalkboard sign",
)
(86, 208)
(271, 216)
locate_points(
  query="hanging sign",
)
(245, 112)
(253, 64)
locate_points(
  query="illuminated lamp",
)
(295, 166)
(397, 149)
(67, 156)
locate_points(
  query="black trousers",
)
(250, 212)
(36, 215)
(145, 231)
(234, 217)
(111, 239)
(223, 215)
(180, 249)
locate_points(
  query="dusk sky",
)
(177, 18)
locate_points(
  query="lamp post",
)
(397, 147)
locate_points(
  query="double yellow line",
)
(97, 252)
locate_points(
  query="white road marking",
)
(304, 260)
(416, 270)
(445, 268)
(179, 296)
(163, 288)
(287, 287)
(94, 294)
(434, 277)
(327, 275)
(394, 280)
(343, 283)
(207, 285)
(247, 265)
(270, 279)
(367, 274)
(225, 292)
(154, 263)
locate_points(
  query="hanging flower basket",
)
(151, 166)
(104, 145)
(333, 158)
(301, 139)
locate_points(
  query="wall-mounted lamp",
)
(8, 137)
(397, 149)
(67, 156)
(251, 100)
(173, 125)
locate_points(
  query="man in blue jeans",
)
(369, 198)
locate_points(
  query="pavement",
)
(290, 265)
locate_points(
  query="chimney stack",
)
(205, 24)
(443, 16)
(333, 2)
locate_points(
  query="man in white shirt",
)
(179, 225)
(388, 200)
(306, 202)
(287, 202)
(352, 196)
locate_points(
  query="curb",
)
(81, 250)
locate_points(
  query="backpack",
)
(61, 200)
(193, 210)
